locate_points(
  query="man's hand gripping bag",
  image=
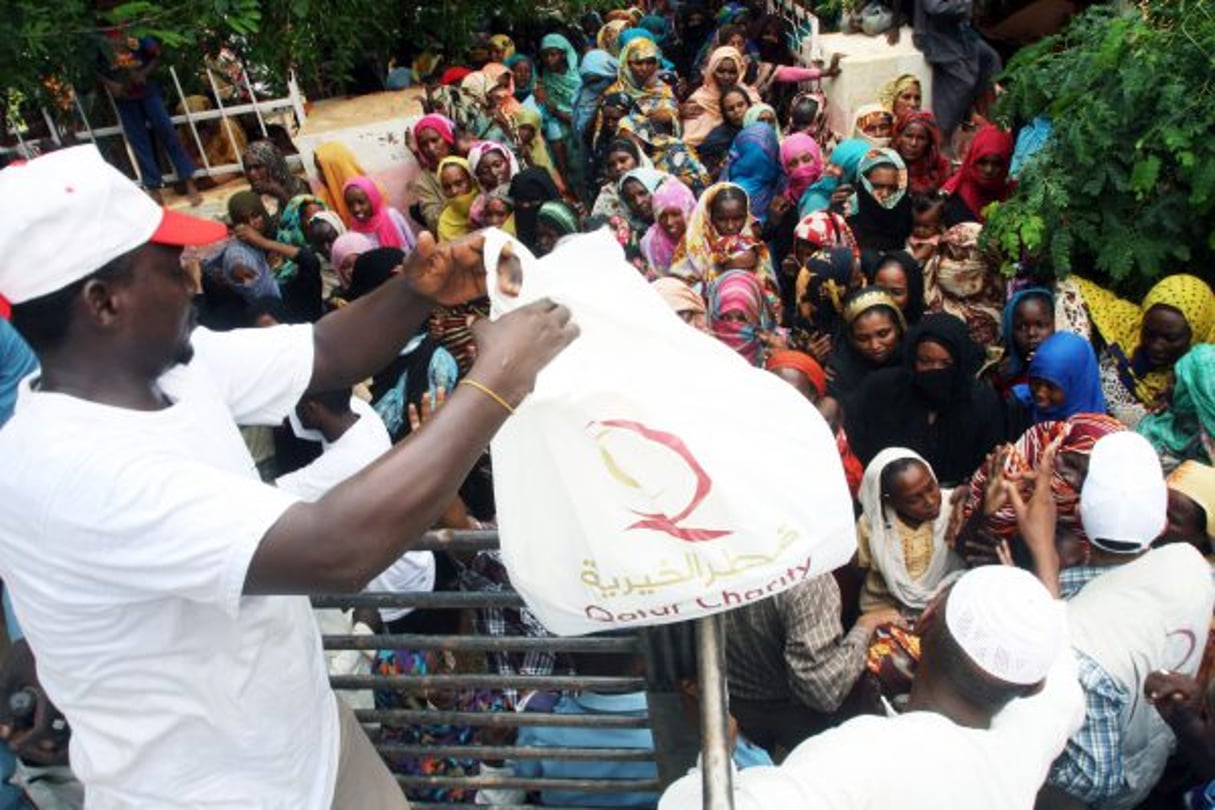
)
(653, 475)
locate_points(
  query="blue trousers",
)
(11, 798)
(141, 117)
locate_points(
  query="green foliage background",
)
(322, 40)
(1126, 185)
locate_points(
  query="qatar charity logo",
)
(663, 479)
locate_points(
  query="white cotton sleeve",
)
(164, 528)
(1048, 718)
(260, 373)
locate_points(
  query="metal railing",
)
(226, 114)
(804, 29)
(670, 758)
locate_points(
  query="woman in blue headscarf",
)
(840, 171)
(556, 93)
(658, 26)
(754, 164)
(1063, 380)
(598, 71)
(1027, 321)
(524, 70)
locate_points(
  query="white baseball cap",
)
(1007, 623)
(70, 213)
(1124, 499)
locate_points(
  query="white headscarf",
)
(885, 544)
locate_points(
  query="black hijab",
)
(876, 227)
(849, 367)
(945, 415)
(873, 260)
(373, 268)
(529, 189)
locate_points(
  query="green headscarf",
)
(1178, 430)
(562, 88)
(560, 216)
(755, 111)
(290, 223)
(883, 157)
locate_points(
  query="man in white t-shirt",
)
(159, 583)
(994, 701)
(352, 436)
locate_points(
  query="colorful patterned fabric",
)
(668, 153)
(1080, 434)
(1119, 324)
(656, 94)
(739, 292)
(414, 662)
(700, 256)
(960, 279)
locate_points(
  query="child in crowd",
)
(902, 534)
(927, 211)
(370, 215)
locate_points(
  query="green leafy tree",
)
(1126, 184)
(320, 40)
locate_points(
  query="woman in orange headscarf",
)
(336, 165)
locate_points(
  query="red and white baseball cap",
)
(69, 213)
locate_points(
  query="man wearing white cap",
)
(1131, 612)
(148, 565)
(994, 700)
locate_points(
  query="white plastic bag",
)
(653, 475)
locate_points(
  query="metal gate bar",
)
(710, 654)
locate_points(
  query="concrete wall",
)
(373, 127)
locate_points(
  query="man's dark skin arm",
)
(342, 541)
(358, 340)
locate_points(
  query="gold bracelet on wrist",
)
(489, 393)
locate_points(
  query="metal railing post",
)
(257, 109)
(126, 139)
(223, 118)
(715, 767)
(297, 100)
(185, 106)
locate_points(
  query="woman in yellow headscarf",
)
(337, 166)
(637, 77)
(501, 48)
(1138, 344)
(460, 190)
(531, 148)
(608, 38)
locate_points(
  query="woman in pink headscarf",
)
(742, 317)
(492, 165)
(372, 217)
(434, 138)
(345, 252)
(673, 204)
(802, 159)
